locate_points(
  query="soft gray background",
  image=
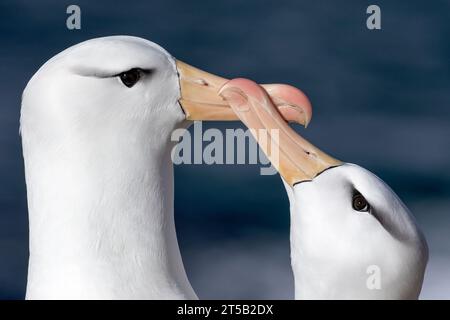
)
(381, 100)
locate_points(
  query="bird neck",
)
(102, 224)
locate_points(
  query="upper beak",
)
(200, 99)
(294, 157)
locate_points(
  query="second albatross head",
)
(351, 236)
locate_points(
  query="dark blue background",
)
(381, 99)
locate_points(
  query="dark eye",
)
(360, 203)
(130, 77)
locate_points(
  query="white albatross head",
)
(351, 236)
(103, 89)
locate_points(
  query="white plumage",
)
(99, 174)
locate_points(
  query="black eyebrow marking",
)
(144, 71)
(98, 73)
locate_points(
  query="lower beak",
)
(294, 157)
(200, 99)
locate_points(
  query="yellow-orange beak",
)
(200, 98)
(294, 157)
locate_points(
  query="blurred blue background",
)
(381, 99)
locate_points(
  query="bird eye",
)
(130, 77)
(360, 203)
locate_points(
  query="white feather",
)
(99, 174)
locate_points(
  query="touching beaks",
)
(294, 157)
(200, 98)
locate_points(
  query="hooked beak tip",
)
(291, 103)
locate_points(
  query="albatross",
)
(96, 121)
(351, 236)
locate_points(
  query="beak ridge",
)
(201, 99)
